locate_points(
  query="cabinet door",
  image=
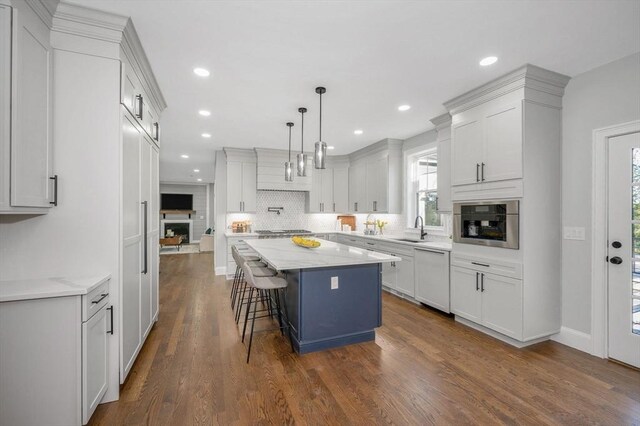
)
(466, 152)
(389, 275)
(502, 304)
(380, 180)
(146, 270)
(315, 194)
(357, 187)
(432, 278)
(326, 190)
(154, 255)
(130, 333)
(95, 357)
(405, 276)
(341, 189)
(31, 136)
(5, 105)
(503, 143)
(249, 187)
(465, 293)
(234, 186)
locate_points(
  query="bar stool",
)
(265, 285)
(259, 269)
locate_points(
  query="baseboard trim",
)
(221, 270)
(513, 342)
(574, 338)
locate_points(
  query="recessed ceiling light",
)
(201, 72)
(196, 170)
(184, 156)
(204, 112)
(404, 107)
(199, 180)
(331, 147)
(206, 135)
(489, 60)
(358, 132)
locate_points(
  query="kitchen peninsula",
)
(334, 292)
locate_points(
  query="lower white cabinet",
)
(54, 355)
(491, 300)
(432, 278)
(390, 275)
(405, 282)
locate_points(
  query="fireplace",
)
(178, 227)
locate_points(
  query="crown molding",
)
(528, 76)
(441, 121)
(45, 10)
(109, 27)
(394, 146)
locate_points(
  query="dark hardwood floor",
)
(423, 368)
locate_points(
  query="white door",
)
(249, 187)
(405, 282)
(315, 195)
(503, 144)
(326, 189)
(466, 152)
(147, 269)
(95, 362)
(31, 132)
(357, 187)
(341, 189)
(234, 186)
(389, 272)
(465, 293)
(624, 249)
(154, 232)
(502, 304)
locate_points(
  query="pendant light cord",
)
(302, 134)
(289, 143)
(320, 116)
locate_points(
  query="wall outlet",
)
(573, 233)
(334, 283)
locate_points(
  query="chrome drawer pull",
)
(101, 298)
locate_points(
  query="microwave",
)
(487, 223)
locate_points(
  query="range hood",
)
(271, 172)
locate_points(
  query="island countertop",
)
(282, 254)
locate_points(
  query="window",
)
(423, 189)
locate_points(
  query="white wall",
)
(604, 96)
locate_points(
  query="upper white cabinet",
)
(320, 198)
(496, 131)
(135, 99)
(341, 189)
(241, 181)
(443, 127)
(375, 178)
(27, 181)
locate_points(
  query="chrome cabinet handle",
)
(355, 206)
(144, 233)
(110, 309)
(102, 296)
(482, 172)
(375, 206)
(477, 172)
(480, 264)
(430, 251)
(334, 207)
(54, 178)
(139, 105)
(482, 282)
(477, 286)
(156, 131)
(437, 198)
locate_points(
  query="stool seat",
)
(262, 272)
(269, 283)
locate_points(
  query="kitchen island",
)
(334, 292)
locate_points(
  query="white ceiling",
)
(266, 58)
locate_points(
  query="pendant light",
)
(288, 165)
(302, 157)
(320, 153)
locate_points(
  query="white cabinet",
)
(432, 278)
(466, 153)
(27, 183)
(140, 189)
(54, 355)
(390, 275)
(357, 187)
(491, 300)
(320, 198)
(377, 181)
(241, 186)
(341, 189)
(443, 127)
(135, 99)
(405, 276)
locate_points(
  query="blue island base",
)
(322, 317)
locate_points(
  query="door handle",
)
(477, 285)
(355, 206)
(482, 282)
(615, 260)
(334, 207)
(54, 178)
(140, 103)
(482, 172)
(110, 309)
(477, 172)
(437, 203)
(156, 131)
(144, 233)
(375, 206)
(616, 244)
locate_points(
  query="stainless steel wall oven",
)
(487, 223)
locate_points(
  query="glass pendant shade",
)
(302, 164)
(319, 155)
(288, 171)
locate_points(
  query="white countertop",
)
(48, 287)
(282, 254)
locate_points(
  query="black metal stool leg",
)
(253, 323)
(246, 317)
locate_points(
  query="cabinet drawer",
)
(398, 249)
(488, 265)
(94, 301)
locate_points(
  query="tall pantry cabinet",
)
(101, 71)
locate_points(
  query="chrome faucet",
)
(415, 225)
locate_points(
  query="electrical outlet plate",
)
(573, 233)
(334, 283)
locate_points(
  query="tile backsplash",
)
(293, 216)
